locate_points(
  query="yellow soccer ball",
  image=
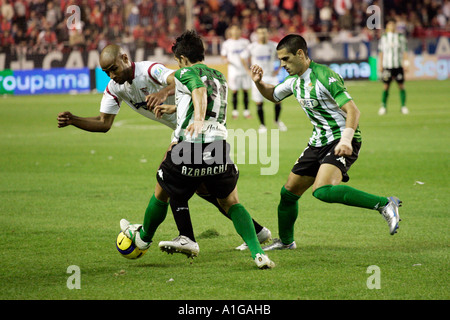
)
(127, 248)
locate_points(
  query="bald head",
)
(114, 61)
(109, 55)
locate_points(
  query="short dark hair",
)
(390, 20)
(292, 43)
(190, 45)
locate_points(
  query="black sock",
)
(259, 107)
(277, 111)
(246, 100)
(180, 210)
(234, 100)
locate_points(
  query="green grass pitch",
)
(63, 192)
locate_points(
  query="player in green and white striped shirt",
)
(333, 146)
(392, 57)
(202, 156)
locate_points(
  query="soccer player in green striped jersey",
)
(202, 154)
(392, 57)
(333, 146)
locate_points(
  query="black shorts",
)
(188, 165)
(396, 74)
(312, 157)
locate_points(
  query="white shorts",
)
(238, 82)
(256, 95)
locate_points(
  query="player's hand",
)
(161, 109)
(64, 119)
(194, 129)
(155, 99)
(343, 149)
(405, 65)
(256, 73)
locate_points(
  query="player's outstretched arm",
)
(159, 97)
(101, 123)
(164, 109)
(266, 89)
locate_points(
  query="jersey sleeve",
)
(189, 78)
(334, 83)
(224, 50)
(159, 73)
(284, 89)
(110, 103)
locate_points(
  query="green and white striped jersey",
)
(187, 80)
(392, 45)
(321, 93)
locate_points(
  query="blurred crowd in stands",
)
(41, 26)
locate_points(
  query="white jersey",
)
(232, 49)
(149, 77)
(264, 55)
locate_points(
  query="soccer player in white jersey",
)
(144, 86)
(334, 144)
(263, 52)
(202, 154)
(238, 78)
(393, 57)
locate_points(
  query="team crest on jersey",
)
(145, 91)
(309, 103)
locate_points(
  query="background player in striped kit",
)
(392, 57)
(334, 144)
(263, 52)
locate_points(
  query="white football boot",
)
(181, 244)
(404, 110)
(263, 261)
(263, 236)
(281, 126)
(278, 245)
(132, 232)
(390, 214)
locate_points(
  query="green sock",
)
(403, 97)
(384, 97)
(287, 215)
(244, 226)
(154, 215)
(349, 196)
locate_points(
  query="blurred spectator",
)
(150, 24)
(47, 40)
(133, 17)
(326, 16)
(115, 18)
(53, 14)
(7, 10)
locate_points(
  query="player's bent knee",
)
(323, 193)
